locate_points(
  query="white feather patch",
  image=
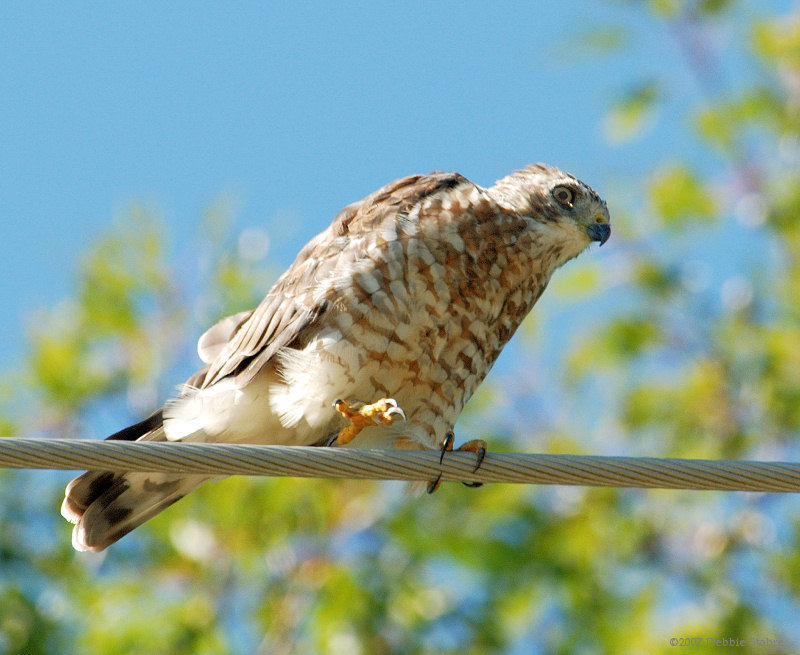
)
(311, 379)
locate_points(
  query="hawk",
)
(396, 311)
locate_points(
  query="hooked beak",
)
(599, 232)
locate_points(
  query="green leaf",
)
(726, 125)
(679, 198)
(709, 8)
(778, 42)
(577, 281)
(667, 9)
(620, 341)
(591, 44)
(633, 112)
(657, 280)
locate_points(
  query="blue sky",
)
(297, 109)
(293, 109)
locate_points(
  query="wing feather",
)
(294, 303)
(214, 338)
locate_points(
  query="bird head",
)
(562, 210)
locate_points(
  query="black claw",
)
(447, 444)
(434, 485)
(481, 454)
(332, 441)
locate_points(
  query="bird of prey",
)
(396, 311)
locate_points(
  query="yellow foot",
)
(477, 446)
(383, 412)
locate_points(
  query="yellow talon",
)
(383, 412)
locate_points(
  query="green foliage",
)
(578, 281)
(599, 41)
(235, 281)
(697, 411)
(633, 111)
(123, 621)
(678, 197)
(778, 42)
(622, 340)
(95, 345)
(22, 629)
(723, 124)
(672, 9)
(657, 280)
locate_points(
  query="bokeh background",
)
(162, 163)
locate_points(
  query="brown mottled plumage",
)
(410, 293)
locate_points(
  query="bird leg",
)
(383, 412)
(477, 446)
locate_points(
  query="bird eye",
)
(564, 196)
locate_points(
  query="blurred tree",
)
(701, 358)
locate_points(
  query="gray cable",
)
(297, 461)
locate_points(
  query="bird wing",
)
(242, 344)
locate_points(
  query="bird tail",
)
(105, 506)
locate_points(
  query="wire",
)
(301, 461)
